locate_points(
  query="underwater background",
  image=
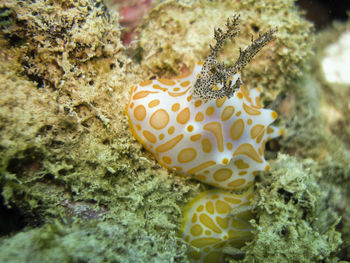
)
(76, 186)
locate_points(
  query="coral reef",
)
(87, 188)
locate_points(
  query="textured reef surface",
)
(81, 188)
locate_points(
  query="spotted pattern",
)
(208, 225)
(220, 142)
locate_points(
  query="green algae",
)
(295, 217)
(109, 241)
(67, 153)
(335, 109)
(90, 192)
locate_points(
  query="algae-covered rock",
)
(66, 152)
(331, 64)
(331, 61)
(87, 189)
(91, 242)
(295, 217)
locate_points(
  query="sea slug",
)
(208, 226)
(205, 124)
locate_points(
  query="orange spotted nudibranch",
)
(204, 123)
(220, 142)
(207, 125)
(208, 226)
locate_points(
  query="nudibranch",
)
(207, 125)
(208, 226)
